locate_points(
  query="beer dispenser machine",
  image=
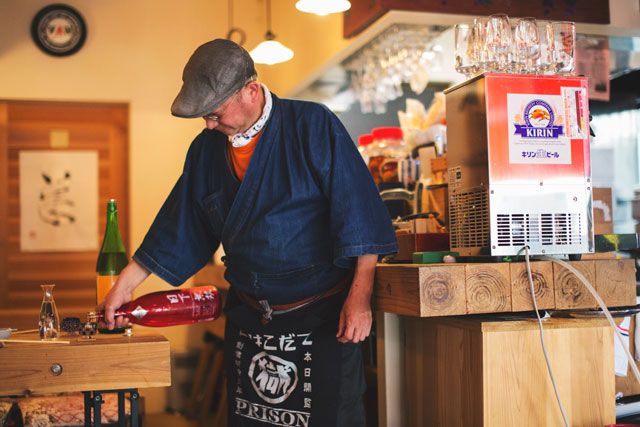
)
(519, 169)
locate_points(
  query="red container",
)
(170, 308)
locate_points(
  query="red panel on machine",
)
(538, 126)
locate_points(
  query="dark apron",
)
(292, 371)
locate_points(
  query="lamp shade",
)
(323, 7)
(271, 52)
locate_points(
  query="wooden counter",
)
(437, 370)
(456, 289)
(106, 362)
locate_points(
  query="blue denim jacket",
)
(292, 228)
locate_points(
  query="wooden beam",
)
(614, 279)
(488, 288)
(457, 289)
(570, 292)
(542, 275)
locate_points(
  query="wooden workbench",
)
(104, 363)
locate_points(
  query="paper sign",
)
(58, 200)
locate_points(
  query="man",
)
(281, 185)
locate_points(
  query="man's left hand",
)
(355, 319)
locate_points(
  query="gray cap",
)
(215, 71)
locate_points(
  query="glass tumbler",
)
(526, 45)
(564, 34)
(465, 47)
(546, 64)
(499, 42)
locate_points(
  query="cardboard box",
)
(602, 210)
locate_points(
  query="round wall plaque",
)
(59, 30)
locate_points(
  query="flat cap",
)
(215, 71)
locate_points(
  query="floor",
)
(166, 420)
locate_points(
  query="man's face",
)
(232, 116)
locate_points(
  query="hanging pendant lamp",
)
(323, 7)
(270, 51)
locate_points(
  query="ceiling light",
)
(323, 7)
(270, 51)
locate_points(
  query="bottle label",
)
(205, 307)
(103, 286)
(139, 312)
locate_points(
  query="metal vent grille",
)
(539, 229)
(469, 218)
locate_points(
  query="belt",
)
(268, 310)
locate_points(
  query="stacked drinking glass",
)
(497, 44)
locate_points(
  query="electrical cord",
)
(544, 348)
(599, 300)
(603, 306)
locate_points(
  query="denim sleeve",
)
(360, 222)
(180, 240)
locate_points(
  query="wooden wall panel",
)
(25, 126)
(4, 227)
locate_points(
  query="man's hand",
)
(116, 297)
(129, 279)
(355, 317)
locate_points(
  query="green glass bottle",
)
(112, 257)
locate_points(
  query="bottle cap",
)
(387, 133)
(364, 140)
(111, 205)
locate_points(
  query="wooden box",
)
(602, 211)
(467, 373)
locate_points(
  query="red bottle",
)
(170, 308)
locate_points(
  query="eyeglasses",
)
(216, 117)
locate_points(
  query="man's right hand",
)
(130, 278)
(112, 301)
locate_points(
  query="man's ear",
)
(254, 89)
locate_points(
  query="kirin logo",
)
(538, 118)
(273, 378)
